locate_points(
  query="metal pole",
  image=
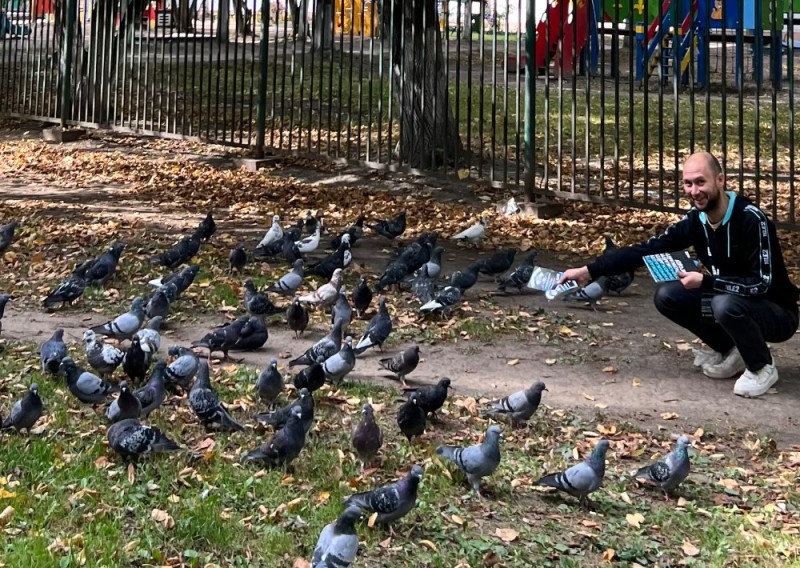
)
(530, 85)
(66, 62)
(263, 55)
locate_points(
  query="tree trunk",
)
(242, 21)
(466, 25)
(299, 18)
(428, 131)
(223, 17)
(323, 24)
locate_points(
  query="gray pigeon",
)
(411, 417)
(4, 299)
(237, 259)
(521, 275)
(7, 235)
(52, 352)
(403, 363)
(590, 293)
(161, 300)
(280, 417)
(125, 406)
(366, 436)
(183, 368)
(669, 472)
(362, 297)
(444, 301)
(105, 266)
(131, 439)
(88, 388)
(297, 317)
(102, 357)
(434, 265)
(25, 412)
(391, 502)
(617, 282)
(206, 404)
(137, 360)
(269, 383)
(342, 311)
(285, 444)
(70, 289)
(149, 336)
(337, 545)
(422, 285)
(151, 395)
(252, 336)
(476, 461)
(289, 283)
(124, 326)
(223, 338)
(520, 405)
(340, 364)
(322, 349)
(256, 303)
(378, 330)
(581, 479)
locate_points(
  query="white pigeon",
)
(327, 294)
(511, 208)
(473, 234)
(275, 233)
(309, 244)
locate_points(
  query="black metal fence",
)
(619, 92)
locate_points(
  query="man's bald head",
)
(708, 159)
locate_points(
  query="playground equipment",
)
(358, 16)
(563, 31)
(673, 42)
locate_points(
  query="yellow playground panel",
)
(359, 16)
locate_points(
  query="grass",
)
(75, 502)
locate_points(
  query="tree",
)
(428, 130)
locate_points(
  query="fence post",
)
(530, 85)
(263, 55)
(65, 64)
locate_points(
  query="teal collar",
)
(728, 212)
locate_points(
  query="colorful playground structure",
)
(670, 35)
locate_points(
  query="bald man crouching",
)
(746, 297)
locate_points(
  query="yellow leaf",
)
(634, 519)
(669, 416)
(322, 497)
(463, 173)
(601, 406)
(550, 361)
(649, 334)
(163, 518)
(6, 494)
(513, 362)
(609, 555)
(429, 544)
(457, 520)
(588, 397)
(386, 543)
(564, 330)
(689, 549)
(6, 515)
(636, 382)
(131, 473)
(371, 521)
(609, 369)
(506, 535)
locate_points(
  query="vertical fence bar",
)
(263, 53)
(459, 23)
(530, 83)
(562, 7)
(790, 78)
(71, 13)
(724, 117)
(573, 107)
(363, 38)
(492, 172)
(330, 87)
(520, 167)
(314, 32)
(370, 81)
(631, 116)
(664, 75)
(775, 44)
(481, 83)
(350, 80)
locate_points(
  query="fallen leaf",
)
(636, 382)
(689, 549)
(550, 361)
(610, 369)
(372, 518)
(6, 515)
(301, 563)
(506, 535)
(669, 416)
(429, 544)
(6, 494)
(163, 518)
(588, 397)
(457, 520)
(634, 519)
(609, 555)
(131, 474)
(513, 362)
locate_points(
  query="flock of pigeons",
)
(416, 267)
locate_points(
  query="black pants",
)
(747, 323)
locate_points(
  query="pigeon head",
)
(273, 363)
(346, 239)
(58, 334)
(138, 304)
(34, 389)
(89, 336)
(683, 441)
(192, 269)
(598, 456)
(349, 341)
(248, 284)
(367, 410)
(116, 249)
(297, 412)
(123, 386)
(298, 264)
(538, 387)
(174, 350)
(445, 383)
(493, 434)
(351, 515)
(609, 244)
(276, 219)
(67, 364)
(363, 279)
(417, 471)
(155, 323)
(415, 349)
(484, 220)
(530, 258)
(337, 276)
(304, 392)
(382, 305)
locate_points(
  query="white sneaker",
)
(704, 358)
(731, 365)
(752, 384)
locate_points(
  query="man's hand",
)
(691, 280)
(580, 275)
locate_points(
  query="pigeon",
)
(136, 360)
(161, 300)
(52, 352)
(520, 405)
(464, 280)
(237, 259)
(70, 289)
(311, 378)
(206, 229)
(337, 545)
(366, 436)
(297, 317)
(130, 439)
(391, 228)
(284, 446)
(289, 282)
(269, 383)
(354, 231)
(403, 363)
(394, 273)
(521, 275)
(511, 207)
(223, 338)
(273, 235)
(618, 282)
(327, 294)
(581, 479)
(280, 417)
(206, 404)
(434, 265)
(102, 357)
(183, 368)
(322, 349)
(591, 293)
(341, 310)
(378, 330)
(25, 412)
(149, 336)
(339, 365)
(669, 472)
(431, 398)
(498, 263)
(88, 388)
(7, 235)
(472, 234)
(411, 417)
(289, 251)
(256, 303)
(391, 502)
(422, 285)
(4, 299)
(151, 395)
(124, 326)
(179, 253)
(476, 461)
(340, 258)
(309, 244)
(444, 301)
(253, 335)
(125, 406)
(102, 269)
(182, 279)
(362, 297)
